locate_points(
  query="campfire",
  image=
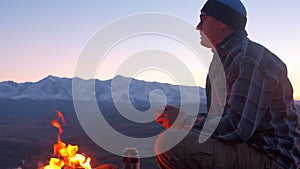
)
(66, 156)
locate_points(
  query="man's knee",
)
(168, 140)
(187, 153)
(185, 140)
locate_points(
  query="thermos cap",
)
(131, 152)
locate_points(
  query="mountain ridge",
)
(124, 88)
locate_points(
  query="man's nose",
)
(199, 26)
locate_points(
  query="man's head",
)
(219, 18)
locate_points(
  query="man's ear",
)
(226, 28)
(223, 25)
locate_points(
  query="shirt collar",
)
(230, 42)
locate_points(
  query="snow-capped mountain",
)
(48, 88)
(118, 89)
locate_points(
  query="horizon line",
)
(123, 76)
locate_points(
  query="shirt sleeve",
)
(247, 100)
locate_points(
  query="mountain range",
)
(124, 88)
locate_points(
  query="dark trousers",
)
(212, 154)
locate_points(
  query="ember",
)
(66, 156)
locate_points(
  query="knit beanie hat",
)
(230, 12)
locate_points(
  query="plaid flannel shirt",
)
(259, 106)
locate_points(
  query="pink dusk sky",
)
(41, 38)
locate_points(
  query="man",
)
(259, 126)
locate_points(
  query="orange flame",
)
(66, 154)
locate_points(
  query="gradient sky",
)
(39, 38)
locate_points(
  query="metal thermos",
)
(131, 159)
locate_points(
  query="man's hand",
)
(169, 116)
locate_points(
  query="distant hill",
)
(55, 88)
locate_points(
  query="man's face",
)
(210, 31)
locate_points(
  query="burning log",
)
(66, 154)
